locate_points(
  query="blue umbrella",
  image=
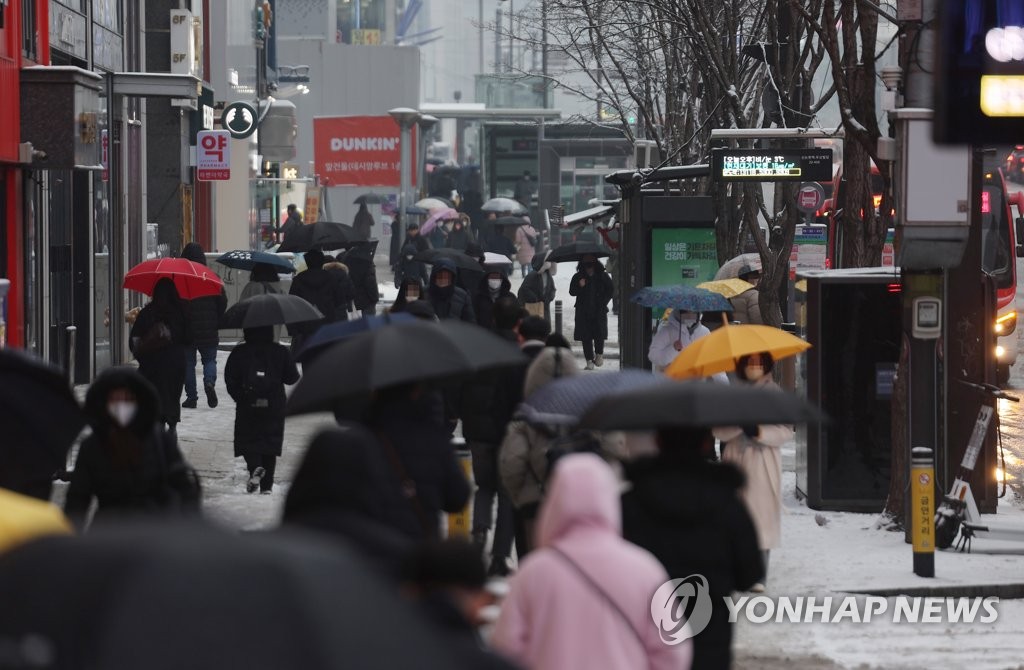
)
(243, 259)
(682, 297)
(563, 401)
(337, 331)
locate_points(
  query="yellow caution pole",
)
(459, 522)
(922, 505)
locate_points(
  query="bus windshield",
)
(996, 252)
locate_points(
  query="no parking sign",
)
(213, 155)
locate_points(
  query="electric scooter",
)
(959, 511)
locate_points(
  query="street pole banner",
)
(311, 212)
(360, 151)
(213, 155)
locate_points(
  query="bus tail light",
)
(1006, 324)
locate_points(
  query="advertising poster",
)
(683, 256)
(359, 151)
(810, 249)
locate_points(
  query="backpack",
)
(532, 239)
(262, 383)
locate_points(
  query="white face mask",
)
(121, 411)
(494, 284)
(754, 372)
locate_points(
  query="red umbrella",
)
(191, 279)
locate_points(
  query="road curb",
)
(1002, 591)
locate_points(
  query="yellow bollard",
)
(922, 504)
(459, 522)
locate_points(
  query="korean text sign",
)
(359, 151)
(213, 155)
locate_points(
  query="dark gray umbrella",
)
(369, 199)
(456, 256)
(401, 353)
(269, 309)
(167, 596)
(319, 235)
(504, 205)
(564, 401)
(575, 251)
(698, 404)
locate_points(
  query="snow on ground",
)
(845, 554)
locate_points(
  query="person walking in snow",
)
(256, 373)
(582, 599)
(204, 316)
(592, 286)
(755, 450)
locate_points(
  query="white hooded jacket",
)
(686, 330)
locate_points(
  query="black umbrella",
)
(319, 235)
(40, 419)
(369, 199)
(402, 353)
(575, 251)
(563, 401)
(459, 258)
(338, 331)
(243, 259)
(698, 404)
(269, 309)
(363, 249)
(168, 596)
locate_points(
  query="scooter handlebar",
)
(990, 390)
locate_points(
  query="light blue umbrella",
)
(687, 298)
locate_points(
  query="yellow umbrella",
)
(23, 518)
(718, 351)
(728, 288)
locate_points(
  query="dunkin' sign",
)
(359, 151)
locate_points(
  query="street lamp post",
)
(425, 123)
(405, 117)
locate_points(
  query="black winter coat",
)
(483, 303)
(687, 512)
(489, 400)
(204, 316)
(458, 239)
(130, 470)
(591, 304)
(259, 430)
(346, 489)
(533, 289)
(394, 251)
(164, 368)
(364, 280)
(426, 457)
(323, 289)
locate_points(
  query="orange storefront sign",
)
(359, 151)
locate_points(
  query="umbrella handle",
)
(725, 319)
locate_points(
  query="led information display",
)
(772, 164)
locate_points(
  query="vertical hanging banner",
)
(311, 212)
(360, 151)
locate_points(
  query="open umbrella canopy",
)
(244, 259)
(403, 353)
(40, 417)
(461, 260)
(416, 211)
(167, 595)
(433, 202)
(368, 199)
(332, 333)
(732, 267)
(507, 205)
(697, 404)
(575, 251)
(727, 288)
(564, 401)
(191, 280)
(437, 216)
(496, 260)
(681, 297)
(23, 518)
(363, 249)
(319, 235)
(718, 351)
(269, 309)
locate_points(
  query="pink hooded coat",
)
(553, 618)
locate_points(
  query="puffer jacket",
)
(746, 307)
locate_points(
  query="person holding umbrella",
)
(459, 237)
(363, 223)
(746, 306)
(755, 450)
(129, 463)
(674, 335)
(538, 288)
(158, 339)
(320, 288)
(495, 285)
(204, 316)
(256, 373)
(292, 222)
(448, 300)
(592, 286)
